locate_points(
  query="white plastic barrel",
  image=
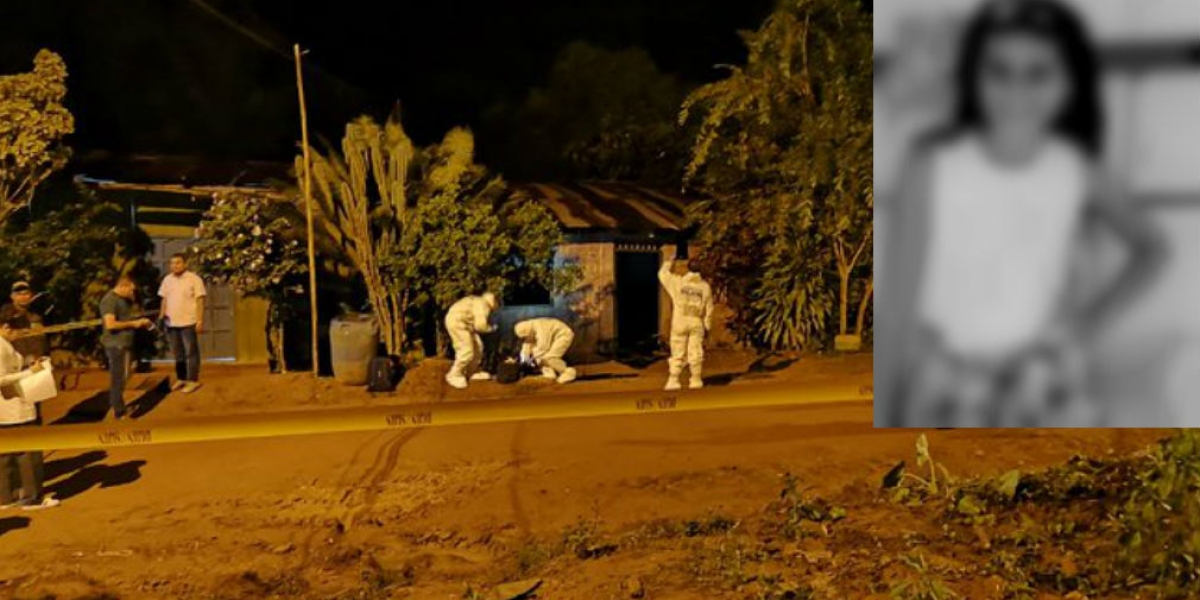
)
(353, 341)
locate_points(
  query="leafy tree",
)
(603, 114)
(33, 122)
(74, 254)
(425, 226)
(784, 149)
(255, 245)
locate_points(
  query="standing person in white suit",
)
(546, 341)
(465, 320)
(691, 319)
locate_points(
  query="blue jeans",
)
(118, 370)
(185, 347)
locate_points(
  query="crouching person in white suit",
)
(465, 320)
(546, 341)
(691, 318)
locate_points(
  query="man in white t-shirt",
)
(182, 293)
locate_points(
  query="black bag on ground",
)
(508, 372)
(382, 375)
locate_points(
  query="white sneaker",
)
(481, 376)
(48, 501)
(696, 383)
(190, 386)
(568, 376)
(178, 385)
(457, 382)
(549, 373)
(672, 385)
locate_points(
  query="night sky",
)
(170, 76)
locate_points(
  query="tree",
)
(424, 227)
(75, 254)
(254, 244)
(603, 114)
(33, 123)
(783, 147)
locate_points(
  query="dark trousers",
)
(185, 347)
(21, 472)
(118, 372)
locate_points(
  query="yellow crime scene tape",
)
(374, 418)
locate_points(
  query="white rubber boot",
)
(549, 373)
(481, 376)
(696, 383)
(457, 382)
(568, 376)
(672, 384)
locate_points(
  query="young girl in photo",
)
(982, 328)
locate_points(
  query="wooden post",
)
(306, 188)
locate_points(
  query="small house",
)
(617, 233)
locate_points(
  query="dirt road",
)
(452, 512)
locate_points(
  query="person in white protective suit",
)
(545, 341)
(465, 320)
(691, 318)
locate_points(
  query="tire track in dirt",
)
(344, 512)
(518, 458)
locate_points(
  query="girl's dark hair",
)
(1081, 119)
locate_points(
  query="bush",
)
(74, 254)
(1161, 519)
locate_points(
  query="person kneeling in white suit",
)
(465, 320)
(546, 341)
(691, 318)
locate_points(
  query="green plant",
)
(424, 227)
(796, 510)
(74, 254)
(926, 586)
(531, 555)
(928, 486)
(602, 114)
(783, 147)
(255, 245)
(33, 123)
(582, 539)
(1161, 518)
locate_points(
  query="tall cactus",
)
(362, 198)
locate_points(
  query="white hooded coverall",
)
(465, 320)
(546, 340)
(691, 318)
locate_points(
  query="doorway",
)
(637, 299)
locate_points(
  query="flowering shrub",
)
(254, 245)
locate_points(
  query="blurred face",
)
(1023, 84)
(680, 267)
(5, 331)
(23, 298)
(124, 289)
(178, 265)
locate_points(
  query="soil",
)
(659, 506)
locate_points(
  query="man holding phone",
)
(119, 324)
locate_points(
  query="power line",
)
(262, 41)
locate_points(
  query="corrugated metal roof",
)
(607, 206)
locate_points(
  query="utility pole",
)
(306, 188)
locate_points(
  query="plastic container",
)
(353, 341)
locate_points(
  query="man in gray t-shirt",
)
(116, 308)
